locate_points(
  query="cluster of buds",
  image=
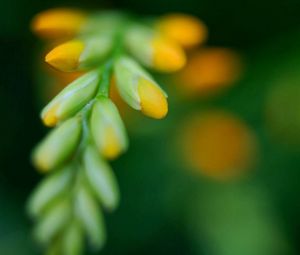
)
(88, 130)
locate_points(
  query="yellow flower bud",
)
(71, 99)
(80, 53)
(139, 90)
(58, 146)
(154, 50)
(65, 57)
(167, 56)
(55, 23)
(186, 30)
(108, 129)
(153, 102)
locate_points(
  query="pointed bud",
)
(71, 99)
(90, 216)
(153, 50)
(56, 23)
(81, 53)
(153, 102)
(65, 57)
(96, 48)
(101, 179)
(186, 30)
(50, 189)
(58, 146)
(139, 90)
(108, 129)
(53, 221)
(73, 239)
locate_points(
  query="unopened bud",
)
(139, 90)
(71, 99)
(58, 146)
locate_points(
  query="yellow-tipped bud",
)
(71, 99)
(186, 30)
(154, 50)
(80, 54)
(108, 129)
(58, 146)
(65, 57)
(49, 118)
(57, 23)
(139, 90)
(153, 102)
(167, 56)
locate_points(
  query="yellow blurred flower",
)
(218, 145)
(186, 30)
(57, 23)
(154, 50)
(209, 70)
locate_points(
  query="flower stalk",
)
(88, 130)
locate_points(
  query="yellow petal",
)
(57, 23)
(153, 102)
(186, 30)
(218, 144)
(167, 56)
(209, 70)
(65, 57)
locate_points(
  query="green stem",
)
(104, 85)
(107, 68)
(84, 114)
(103, 90)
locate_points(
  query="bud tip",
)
(153, 102)
(65, 57)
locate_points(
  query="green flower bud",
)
(90, 216)
(73, 240)
(108, 129)
(96, 48)
(53, 221)
(71, 99)
(58, 146)
(102, 22)
(137, 41)
(50, 189)
(101, 179)
(54, 248)
(154, 50)
(139, 89)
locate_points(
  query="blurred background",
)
(220, 175)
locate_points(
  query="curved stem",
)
(104, 85)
